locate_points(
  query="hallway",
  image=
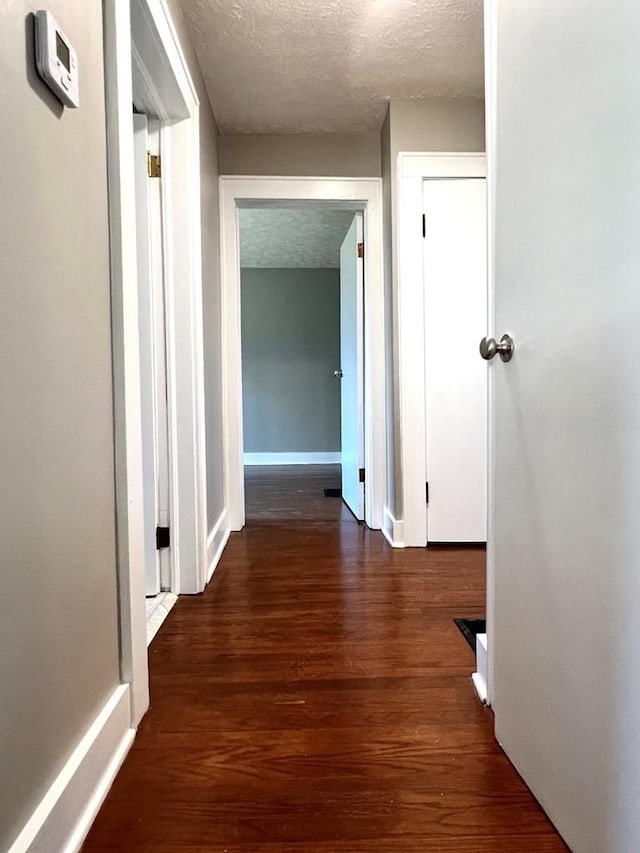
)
(317, 698)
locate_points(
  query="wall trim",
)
(217, 541)
(162, 55)
(329, 458)
(125, 345)
(163, 604)
(364, 194)
(413, 168)
(392, 529)
(491, 109)
(64, 816)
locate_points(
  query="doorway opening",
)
(302, 341)
(358, 201)
(442, 301)
(152, 323)
(145, 67)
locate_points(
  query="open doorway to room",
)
(342, 417)
(154, 411)
(302, 296)
(153, 109)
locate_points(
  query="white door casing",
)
(413, 169)
(455, 298)
(140, 42)
(364, 194)
(352, 366)
(564, 539)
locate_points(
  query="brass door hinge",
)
(361, 250)
(154, 166)
(361, 475)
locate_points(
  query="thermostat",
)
(56, 59)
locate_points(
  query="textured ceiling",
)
(293, 66)
(292, 238)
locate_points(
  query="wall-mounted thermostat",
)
(56, 59)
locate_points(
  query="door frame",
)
(413, 169)
(143, 29)
(151, 306)
(364, 194)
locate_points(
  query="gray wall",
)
(290, 348)
(436, 124)
(301, 154)
(58, 616)
(209, 142)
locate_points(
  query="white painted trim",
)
(126, 357)
(348, 193)
(163, 604)
(159, 57)
(162, 32)
(185, 359)
(292, 458)
(490, 23)
(418, 164)
(479, 677)
(393, 530)
(216, 542)
(64, 816)
(480, 686)
(185, 355)
(413, 169)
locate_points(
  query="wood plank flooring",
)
(294, 492)
(317, 698)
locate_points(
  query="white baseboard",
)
(480, 687)
(158, 608)
(479, 677)
(64, 816)
(292, 458)
(392, 529)
(216, 542)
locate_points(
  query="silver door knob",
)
(338, 374)
(489, 348)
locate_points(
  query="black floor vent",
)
(469, 628)
(333, 493)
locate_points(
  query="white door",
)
(151, 320)
(352, 366)
(564, 98)
(455, 291)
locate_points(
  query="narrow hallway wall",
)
(59, 656)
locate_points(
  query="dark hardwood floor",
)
(293, 492)
(317, 698)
